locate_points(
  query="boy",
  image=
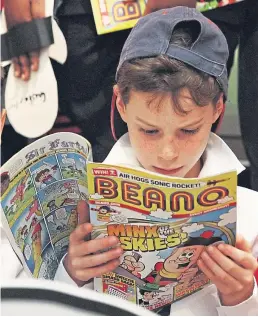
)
(171, 87)
(170, 109)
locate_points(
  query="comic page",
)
(40, 188)
(116, 15)
(163, 225)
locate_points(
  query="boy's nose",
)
(169, 151)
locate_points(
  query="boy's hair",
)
(163, 75)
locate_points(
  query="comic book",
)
(116, 15)
(40, 188)
(163, 225)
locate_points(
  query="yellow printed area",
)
(37, 267)
(150, 193)
(115, 15)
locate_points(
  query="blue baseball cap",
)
(151, 37)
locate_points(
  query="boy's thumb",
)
(242, 244)
(83, 212)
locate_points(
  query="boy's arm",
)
(154, 5)
(62, 276)
(247, 308)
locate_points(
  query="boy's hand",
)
(231, 269)
(16, 12)
(81, 262)
(154, 5)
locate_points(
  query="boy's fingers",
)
(91, 261)
(242, 244)
(224, 285)
(87, 274)
(243, 258)
(38, 9)
(34, 61)
(17, 67)
(25, 67)
(83, 212)
(93, 246)
(229, 267)
(78, 235)
(218, 274)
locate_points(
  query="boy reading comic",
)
(171, 89)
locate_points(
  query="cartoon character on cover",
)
(180, 267)
(132, 264)
(151, 295)
(107, 211)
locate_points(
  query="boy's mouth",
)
(167, 171)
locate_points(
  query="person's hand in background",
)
(16, 12)
(3, 117)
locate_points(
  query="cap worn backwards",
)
(152, 37)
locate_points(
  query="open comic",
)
(116, 15)
(163, 225)
(40, 188)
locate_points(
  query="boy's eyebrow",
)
(193, 123)
(142, 121)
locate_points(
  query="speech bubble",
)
(51, 219)
(27, 252)
(61, 213)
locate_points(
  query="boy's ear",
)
(119, 103)
(219, 108)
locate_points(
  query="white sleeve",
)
(11, 266)
(247, 308)
(62, 276)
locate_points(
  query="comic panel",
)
(62, 222)
(45, 172)
(18, 197)
(58, 195)
(73, 165)
(22, 226)
(84, 192)
(49, 263)
(61, 248)
(35, 241)
(120, 286)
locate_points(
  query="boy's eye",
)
(188, 131)
(150, 132)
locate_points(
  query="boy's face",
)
(166, 141)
